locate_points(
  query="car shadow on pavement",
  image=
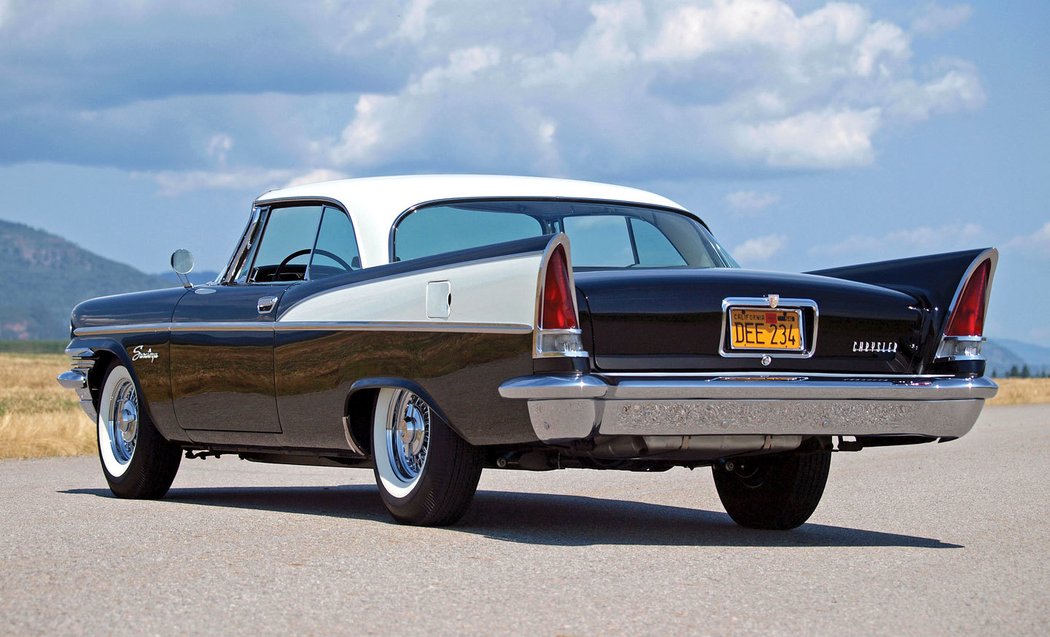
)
(547, 519)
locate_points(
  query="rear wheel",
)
(773, 492)
(136, 460)
(426, 473)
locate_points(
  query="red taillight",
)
(558, 312)
(968, 317)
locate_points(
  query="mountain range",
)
(46, 275)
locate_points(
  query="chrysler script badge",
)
(149, 354)
(874, 347)
(774, 299)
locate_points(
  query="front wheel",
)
(136, 460)
(426, 473)
(773, 492)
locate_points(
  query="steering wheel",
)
(298, 253)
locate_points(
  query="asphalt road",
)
(932, 539)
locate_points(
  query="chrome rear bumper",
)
(575, 407)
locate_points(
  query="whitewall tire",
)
(136, 460)
(426, 473)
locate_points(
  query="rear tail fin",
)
(954, 288)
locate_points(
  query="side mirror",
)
(182, 263)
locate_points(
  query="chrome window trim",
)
(760, 302)
(242, 246)
(265, 208)
(456, 200)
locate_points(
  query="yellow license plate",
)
(758, 328)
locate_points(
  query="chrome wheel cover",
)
(122, 421)
(119, 421)
(407, 436)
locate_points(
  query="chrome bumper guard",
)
(574, 407)
(77, 378)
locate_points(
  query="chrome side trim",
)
(771, 375)
(808, 348)
(421, 326)
(130, 328)
(559, 387)
(308, 326)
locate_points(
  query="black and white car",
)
(432, 326)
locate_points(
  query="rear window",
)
(602, 235)
(437, 229)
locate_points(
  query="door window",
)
(284, 252)
(336, 248)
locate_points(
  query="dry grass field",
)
(38, 418)
(1022, 391)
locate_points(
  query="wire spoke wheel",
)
(136, 460)
(426, 473)
(123, 421)
(408, 436)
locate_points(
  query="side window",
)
(654, 249)
(438, 229)
(599, 240)
(619, 241)
(284, 251)
(336, 249)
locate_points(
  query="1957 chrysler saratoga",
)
(432, 326)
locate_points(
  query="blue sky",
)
(808, 134)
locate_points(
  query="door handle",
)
(266, 304)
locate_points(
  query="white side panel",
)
(496, 292)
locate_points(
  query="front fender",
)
(146, 357)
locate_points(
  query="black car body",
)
(430, 326)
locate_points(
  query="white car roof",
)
(374, 203)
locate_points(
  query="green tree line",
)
(1023, 372)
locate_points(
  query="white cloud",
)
(315, 176)
(414, 25)
(749, 201)
(906, 242)
(660, 87)
(826, 139)
(933, 19)
(616, 90)
(1036, 244)
(218, 146)
(760, 249)
(172, 183)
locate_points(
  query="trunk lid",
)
(671, 320)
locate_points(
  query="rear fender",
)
(936, 282)
(450, 327)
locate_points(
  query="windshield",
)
(602, 235)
